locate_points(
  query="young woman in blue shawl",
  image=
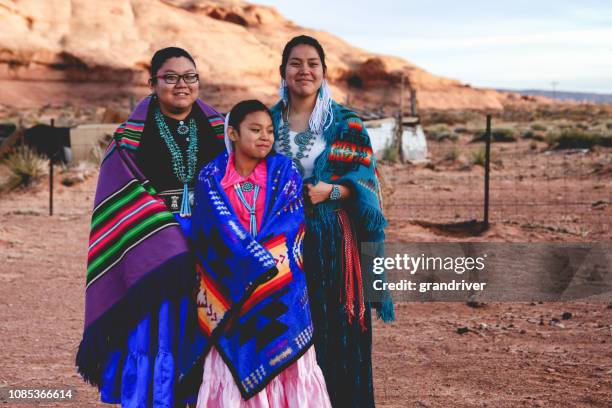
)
(253, 311)
(331, 147)
(140, 271)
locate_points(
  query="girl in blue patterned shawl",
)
(331, 147)
(253, 310)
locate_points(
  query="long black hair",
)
(301, 40)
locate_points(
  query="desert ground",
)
(511, 355)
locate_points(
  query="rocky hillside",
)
(91, 52)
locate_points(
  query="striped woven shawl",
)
(138, 254)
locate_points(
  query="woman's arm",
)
(320, 192)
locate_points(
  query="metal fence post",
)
(487, 171)
(51, 172)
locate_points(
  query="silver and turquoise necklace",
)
(303, 140)
(246, 187)
(184, 172)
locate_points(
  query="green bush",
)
(479, 157)
(440, 133)
(535, 135)
(26, 167)
(453, 154)
(497, 135)
(390, 152)
(538, 127)
(577, 139)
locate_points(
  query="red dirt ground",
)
(506, 359)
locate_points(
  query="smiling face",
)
(255, 136)
(179, 97)
(304, 72)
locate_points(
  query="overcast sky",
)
(515, 44)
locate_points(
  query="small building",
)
(85, 139)
(382, 135)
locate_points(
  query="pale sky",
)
(517, 44)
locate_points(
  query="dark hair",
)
(161, 56)
(301, 40)
(242, 109)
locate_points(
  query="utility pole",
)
(554, 88)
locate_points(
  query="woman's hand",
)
(320, 192)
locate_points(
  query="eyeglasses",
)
(172, 79)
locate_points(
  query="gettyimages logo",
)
(412, 265)
(493, 272)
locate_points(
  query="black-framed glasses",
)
(171, 79)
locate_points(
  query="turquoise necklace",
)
(184, 171)
(303, 140)
(245, 188)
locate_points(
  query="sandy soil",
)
(512, 355)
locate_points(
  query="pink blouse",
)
(257, 177)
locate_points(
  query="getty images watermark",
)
(488, 271)
(413, 264)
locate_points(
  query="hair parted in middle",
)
(301, 40)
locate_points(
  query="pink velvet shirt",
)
(257, 177)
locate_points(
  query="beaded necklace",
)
(303, 140)
(184, 171)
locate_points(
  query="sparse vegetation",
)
(577, 139)
(390, 152)
(440, 133)
(538, 127)
(535, 135)
(497, 135)
(448, 118)
(479, 157)
(26, 167)
(453, 154)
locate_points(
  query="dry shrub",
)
(26, 167)
(453, 154)
(538, 127)
(577, 139)
(479, 157)
(497, 135)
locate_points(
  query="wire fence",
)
(530, 184)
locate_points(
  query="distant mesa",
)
(75, 51)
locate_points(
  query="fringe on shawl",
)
(324, 228)
(171, 280)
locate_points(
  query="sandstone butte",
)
(90, 52)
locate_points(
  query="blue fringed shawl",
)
(348, 160)
(252, 302)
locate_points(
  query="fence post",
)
(487, 171)
(400, 124)
(51, 172)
